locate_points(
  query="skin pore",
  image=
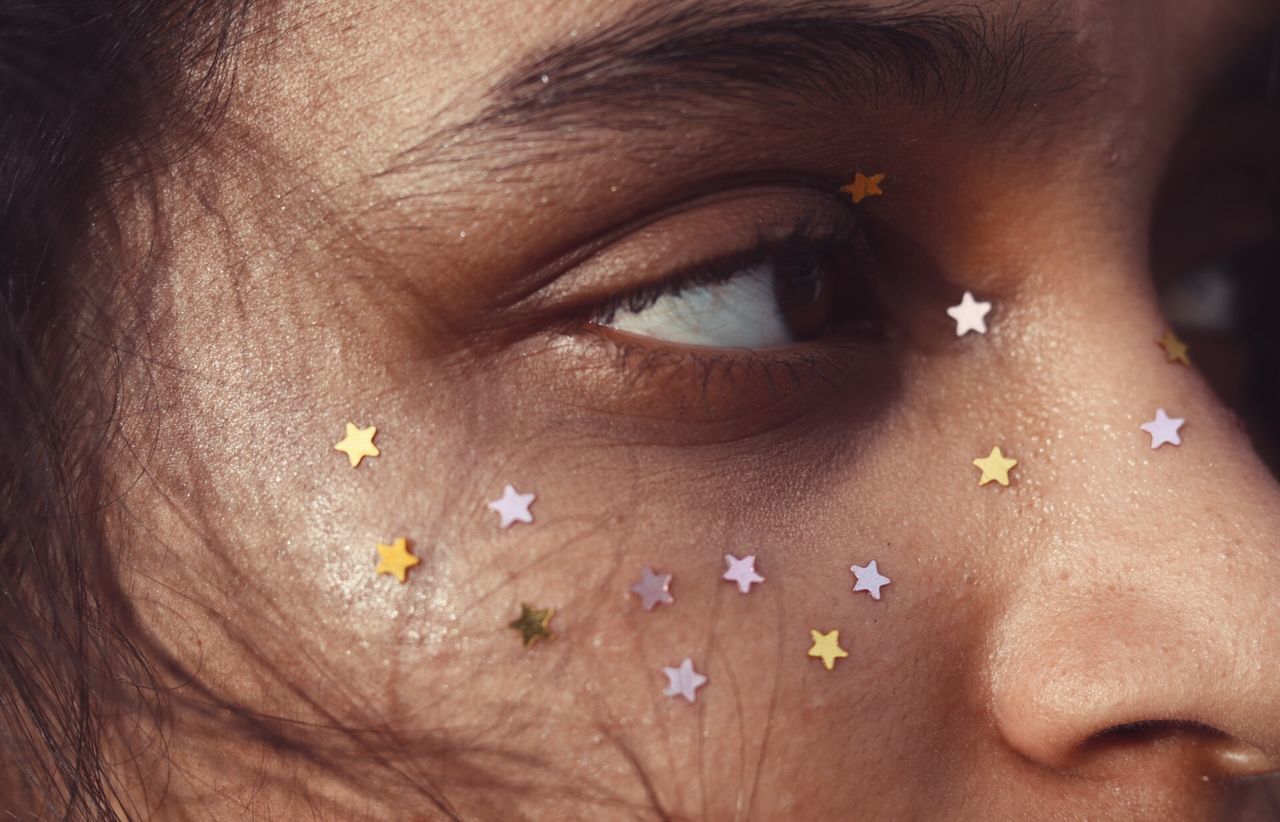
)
(409, 217)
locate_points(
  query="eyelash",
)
(739, 392)
(809, 233)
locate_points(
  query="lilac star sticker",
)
(970, 315)
(652, 588)
(1163, 430)
(684, 681)
(513, 507)
(742, 571)
(869, 579)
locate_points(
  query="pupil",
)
(805, 293)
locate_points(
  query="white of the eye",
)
(741, 312)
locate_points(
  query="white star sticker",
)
(970, 315)
(684, 681)
(1163, 430)
(869, 579)
(652, 588)
(513, 507)
(742, 571)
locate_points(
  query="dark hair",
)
(94, 97)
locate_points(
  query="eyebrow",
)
(957, 61)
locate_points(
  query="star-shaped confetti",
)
(742, 571)
(684, 681)
(970, 315)
(1174, 348)
(995, 468)
(869, 579)
(863, 187)
(513, 507)
(827, 648)
(358, 444)
(652, 588)
(533, 624)
(395, 559)
(1163, 429)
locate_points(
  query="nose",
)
(1143, 623)
(1088, 684)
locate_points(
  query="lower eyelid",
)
(674, 393)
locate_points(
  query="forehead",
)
(437, 61)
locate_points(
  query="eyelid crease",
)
(588, 274)
(694, 195)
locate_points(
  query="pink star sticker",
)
(513, 507)
(652, 588)
(869, 579)
(684, 681)
(1163, 429)
(742, 571)
(970, 315)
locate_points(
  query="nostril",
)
(1146, 738)
(1153, 730)
(1215, 751)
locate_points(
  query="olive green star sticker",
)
(533, 624)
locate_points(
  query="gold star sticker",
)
(1174, 348)
(827, 648)
(395, 559)
(358, 444)
(995, 468)
(533, 624)
(863, 187)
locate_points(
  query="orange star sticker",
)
(995, 468)
(863, 187)
(1174, 348)
(827, 648)
(533, 624)
(395, 559)
(358, 444)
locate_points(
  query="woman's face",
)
(598, 250)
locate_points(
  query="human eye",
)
(748, 309)
(815, 282)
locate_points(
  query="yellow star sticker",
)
(358, 444)
(533, 624)
(395, 559)
(863, 187)
(827, 648)
(1174, 348)
(995, 468)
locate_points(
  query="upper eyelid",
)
(725, 268)
(632, 256)
(693, 195)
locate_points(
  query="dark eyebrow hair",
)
(671, 53)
